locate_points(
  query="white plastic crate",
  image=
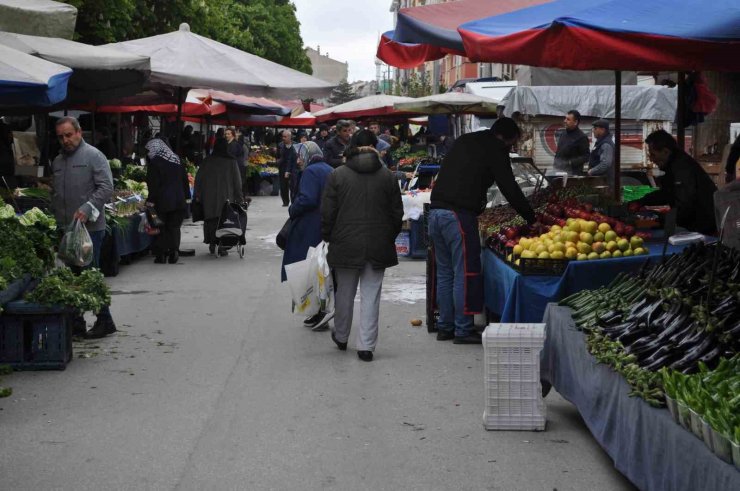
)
(513, 396)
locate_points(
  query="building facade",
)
(325, 68)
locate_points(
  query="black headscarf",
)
(221, 148)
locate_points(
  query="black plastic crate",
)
(540, 267)
(35, 337)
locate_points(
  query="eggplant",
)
(660, 362)
(683, 331)
(633, 335)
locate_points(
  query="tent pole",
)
(681, 108)
(617, 134)
(120, 136)
(178, 123)
(92, 137)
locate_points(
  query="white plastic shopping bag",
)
(302, 285)
(324, 280)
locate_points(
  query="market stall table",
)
(123, 241)
(519, 298)
(647, 446)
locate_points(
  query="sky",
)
(346, 30)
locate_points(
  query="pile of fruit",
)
(259, 158)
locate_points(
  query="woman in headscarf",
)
(217, 181)
(169, 189)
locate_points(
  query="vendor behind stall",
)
(685, 186)
(601, 160)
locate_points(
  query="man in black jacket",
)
(572, 150)
(474, 163)
(287, 161)
(335, 146)
(685, 186)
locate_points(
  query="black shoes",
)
(160, 259)
(79, 326)
(173, 257)
(211, 248)
(319, 321)
(101, 329)
(472, 338)
(445, 335)
(365, 355)
(222, 251)
(342, 346)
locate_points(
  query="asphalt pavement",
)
(212, 383)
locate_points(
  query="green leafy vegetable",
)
(82, 293)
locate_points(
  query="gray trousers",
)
(371, 282)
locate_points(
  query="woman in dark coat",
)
(217, 181)
(305, 211)
(360, 218)
(169, 189)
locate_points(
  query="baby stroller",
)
(232, 225)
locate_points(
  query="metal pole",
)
(178, 123)
(617, 134)
(680, 120)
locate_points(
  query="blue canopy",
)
(27, 81)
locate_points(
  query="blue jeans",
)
(445, 233)
(97, 241)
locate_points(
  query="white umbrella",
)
(373, 105)
(92, 79)
(38, 17)
(185, 60)
(26, 81)
(449, 103)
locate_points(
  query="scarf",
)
(158, 148)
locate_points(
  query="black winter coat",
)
(476, 161)
(687, 187)
(361, 214)
(168, 185)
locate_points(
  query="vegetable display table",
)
(519, 298)
(129, 240)
(645, 443)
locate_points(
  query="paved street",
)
(211, 383)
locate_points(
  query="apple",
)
(598, 247)
(527, 254)
(518, 249)
(582, 257)
(557, 255)
(606, 255)
(629, 230)
(592, 227)
(593, 255)
(575, 226)
(627, 253)
(586, 237)
(583, 248)
(599, 237)
(611, 246)
(617, 253)
(623, 244)
(571, 253)
(610, 236)
(543, 255)
(635, 242)
(604, 227)
(639, 251)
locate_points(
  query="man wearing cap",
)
(601, 160)
(335, 146)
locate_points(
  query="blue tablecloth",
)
(129, 240)
(518, 298)
(647, 446)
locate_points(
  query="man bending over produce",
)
(685, 186)
(83, 184)
(474, 163)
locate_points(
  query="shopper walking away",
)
(305, 211)
(169, 190)
(83, 184)
(287, 161)
(236, 150)
(475, 162)
(360, 218)
(216, 182)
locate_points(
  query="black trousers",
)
(285, 189)
(168, 239)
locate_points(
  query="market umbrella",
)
(660, 35)
(429, 32)
(182, 60)
(244, 104)
(26, 81)
(370, 106)
(304, 120)
(449, 103)
(193, 106)
(38, 17)
(100, 74)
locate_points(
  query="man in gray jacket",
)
(601, 160)
(83, 184)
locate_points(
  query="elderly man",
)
(335, 146)
(287, 160)
(572, 150)
(685, 185)
(601, 160)
(83, 184)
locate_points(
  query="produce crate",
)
(513, 397)
(540, 267)
(35, 337)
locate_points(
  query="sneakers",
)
(342, 346)
(319, 321)
(101, 329)
(472, 338)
